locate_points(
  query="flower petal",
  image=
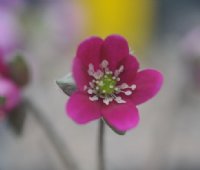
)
(81, 109)
(115, 49)
(11, 93)
(121, 117)
(131, 66)
(4, 71)
(89, 51)
(80, 74)
(148, 84)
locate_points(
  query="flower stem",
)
(61, 148)
(101, 145)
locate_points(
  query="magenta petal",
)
(131, 66)
(148, 84)
(80, 74)
(121, 117)
(89, 51)
(115, 49)
(81, 109)
(11, 93)
(4, 71)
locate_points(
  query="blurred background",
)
(164, 34)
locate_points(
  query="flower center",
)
(105, 84)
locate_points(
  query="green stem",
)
(101, 165)
(61, 148)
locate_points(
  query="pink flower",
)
(4, 70)
(11, 93)
(12, 4)
(109, 85)
(10, 32)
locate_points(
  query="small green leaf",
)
(2, 100)
(19, 70)
(67, 84)
(16, 119)
(115, 130)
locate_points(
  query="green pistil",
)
(107, 84)
(2, 100)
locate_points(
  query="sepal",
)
(19, 70)
(2, 100)
(67, 84)
(16, 119)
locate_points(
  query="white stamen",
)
(90, 91)
(118, 71)
(107, 72)
(113, 77)
(97, 88)
(101, 83)
(85, 88)
(133, 87)
(104, 64)
(98, 74)
(116, 89)
(107, 100)
(123, 86)
(91, 84)
(118, 79)
(93, 98)
(121, 69)
(119, 100)
(128, 93)
(91, 69)
(111, 86)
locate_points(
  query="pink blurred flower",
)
(11, 93)
(10, 34)
(65, 20)
(12, 4)
(109, 85)
(190, 51)
(190, 44)
(4, 71)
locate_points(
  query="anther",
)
(93, 98)
(128, 93)
(113, 77)
(111, 86)
(85, 88)
(104, 64)
(90, 91)
(133, 87)
(101, 83)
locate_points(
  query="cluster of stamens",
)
(105, 84)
